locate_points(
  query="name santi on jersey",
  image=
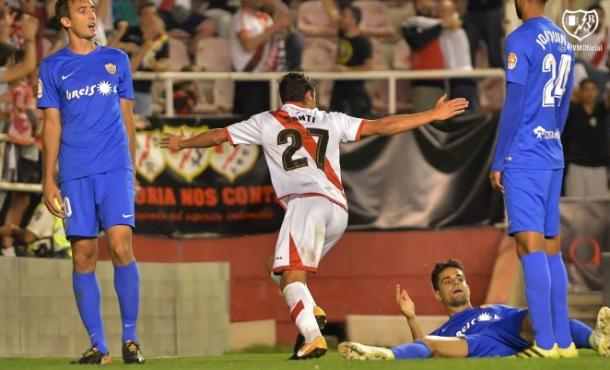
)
(102, 88)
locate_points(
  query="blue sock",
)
(581, 334)
(559, 300)
(127, 286)
(538, 294)
(417, 349)
(87, 293)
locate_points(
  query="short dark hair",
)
(144, 5)
(440, 267)
(6, 53)
(62, 9)
(587, 81)
(294, 86)
(356, 12)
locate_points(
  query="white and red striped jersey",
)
(301, 146)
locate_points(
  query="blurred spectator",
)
(221, 11)
(355, 53)
(585, 142)
(257, 45)
(148, 46)
(184, 98)
(456, 53)
(29, 27)
(44, 236)
(484, 21)
(179, 14)
(21, 130)
(125, 10)
(422, 33)
(22, 162)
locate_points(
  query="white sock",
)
(299, 302)
(313, 301)
(9, 252)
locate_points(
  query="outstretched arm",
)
(202, 140)
(396, 124)
(407, 307)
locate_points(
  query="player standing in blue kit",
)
(86, 93)
(528, 168)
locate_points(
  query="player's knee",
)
(529, 242)
(293, 276)
(120, 248)
(84, 260)
(430, 343)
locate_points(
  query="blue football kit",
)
(539, 81)
(539, 76)
(95, 169)
(490, 331)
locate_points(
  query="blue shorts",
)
(104, 199)
(501, 338)
(531, 198)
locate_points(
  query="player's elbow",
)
(380, 127)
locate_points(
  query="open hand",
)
(446, 109)
(405, 303)
(171, 142)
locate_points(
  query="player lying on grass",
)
(301, 145)
(485, 331)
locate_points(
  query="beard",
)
(518, 10)
(458, 301)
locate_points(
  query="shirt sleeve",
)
(509, 123)
(245, 132)
(350, 127)
(48, 96)
(517, 59)
(125, 81)
(366, 49)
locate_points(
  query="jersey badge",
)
(512, 60)
(110, 68)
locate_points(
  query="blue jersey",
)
(540, 57)
(474, 320)
(86, 89)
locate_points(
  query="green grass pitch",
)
(332, 361)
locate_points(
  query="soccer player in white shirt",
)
(301, 146)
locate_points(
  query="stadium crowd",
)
(275, 35)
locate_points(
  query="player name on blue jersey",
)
(547, 36)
